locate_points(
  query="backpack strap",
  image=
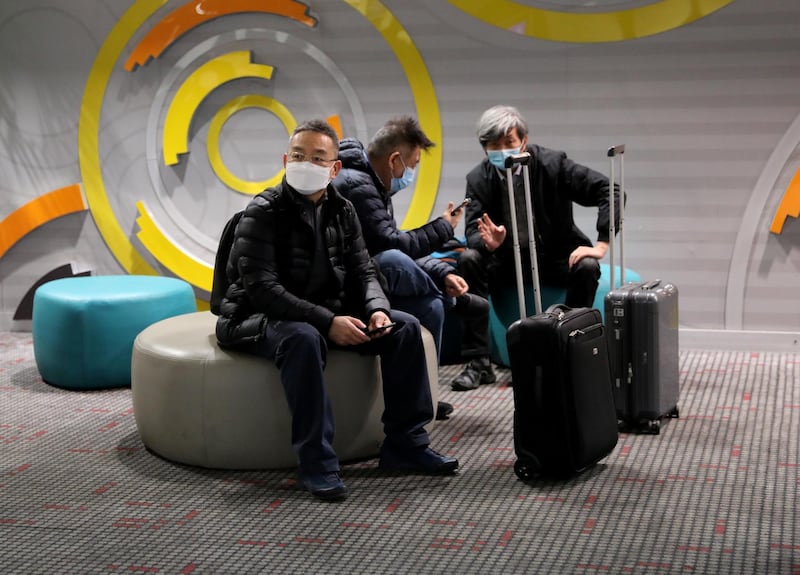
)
(219, 286)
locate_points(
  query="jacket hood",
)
(356, 169)
(353, 155)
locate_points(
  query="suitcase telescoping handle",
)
(524, 160)
(614, 152)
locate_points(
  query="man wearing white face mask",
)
(565, 256)
(299, 281)
(421, 285)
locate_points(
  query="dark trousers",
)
(488, 274)
(300, 352)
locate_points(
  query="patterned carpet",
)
(715, 492)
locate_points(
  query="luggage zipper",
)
(576, 332)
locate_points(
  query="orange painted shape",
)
(789, 206)
(336, 123)
(39, 211)
(197, 12)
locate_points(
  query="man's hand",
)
(452, 219)
(348, 330)
(491, 234)
(377, 320)
(597, 252)
(455, 285)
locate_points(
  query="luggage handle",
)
(651, 285)
(523, 159)
(614, 152)
(559, 309)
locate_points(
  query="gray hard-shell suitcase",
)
(564, 419)
(642, 329)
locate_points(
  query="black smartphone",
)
(463, 204)
(371, 332)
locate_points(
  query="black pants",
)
(300, 353)
(488, 274)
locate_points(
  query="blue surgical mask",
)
(403, 181)
(498, 157)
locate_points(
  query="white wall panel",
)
(703, 109)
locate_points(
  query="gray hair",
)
(498, 121)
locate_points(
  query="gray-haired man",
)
(566, 257)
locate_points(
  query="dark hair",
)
(321, 127)
(399, 131)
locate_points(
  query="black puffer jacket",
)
(556, 182)
(270, 263)
(358, 182)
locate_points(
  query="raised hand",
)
(491, 234)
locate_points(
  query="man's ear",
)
(284, 160)
(337, 166)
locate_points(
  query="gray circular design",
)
(186, 62)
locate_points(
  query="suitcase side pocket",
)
(590, 399)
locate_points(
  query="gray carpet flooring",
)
(715, 492)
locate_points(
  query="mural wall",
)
(131, 129)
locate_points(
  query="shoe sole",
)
(332, 494)
(483, 381)
(458, 387)
(448, 469)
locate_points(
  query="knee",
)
(470, 260)
(302, 341)
(588, 269)
(470, 257)
(394, 259)
(409, 324)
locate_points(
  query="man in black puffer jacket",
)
(421, 285)
(300, 280)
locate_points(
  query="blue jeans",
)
(412, 290)
(300, 353)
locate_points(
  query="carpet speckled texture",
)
(715, 492)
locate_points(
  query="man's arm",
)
(380, 228)
(588, 187)
(359, 263)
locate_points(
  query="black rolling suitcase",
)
(642, 328)
(564, 419)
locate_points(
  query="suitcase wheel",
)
(525, 470)
(654, 426)
(674, 413)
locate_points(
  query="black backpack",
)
(219, 285)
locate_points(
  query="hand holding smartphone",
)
(460, 206)
(377, 330)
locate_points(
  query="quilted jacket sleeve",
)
(375, 212)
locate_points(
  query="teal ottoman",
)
(505, 309)
(84, 327)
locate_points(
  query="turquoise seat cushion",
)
(84, 327)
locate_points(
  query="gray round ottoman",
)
(198, 404)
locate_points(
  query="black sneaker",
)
(416, 460)
(477, 372)
(443, 410)
(326, 486)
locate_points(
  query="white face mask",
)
(307, 178)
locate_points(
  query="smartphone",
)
(463, 204)
(371, 332)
